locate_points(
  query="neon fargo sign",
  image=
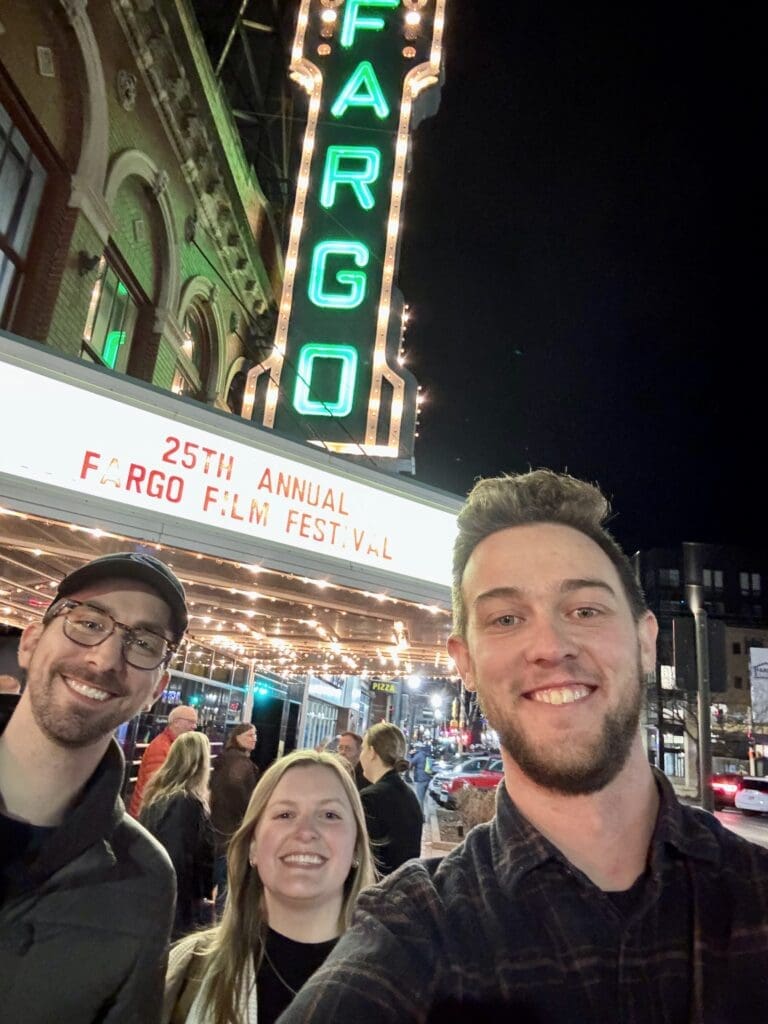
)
(371, 69)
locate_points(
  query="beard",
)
(62, 720)
(573, 769)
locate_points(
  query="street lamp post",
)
(694, 594)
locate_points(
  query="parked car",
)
(487, 777)
(466, 764)
(752, 798)
(724, 789)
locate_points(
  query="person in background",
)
(175, 811)
(86, 895)
(420, 761)
(181, 719)
(594, 894)
(392, 811)
(232, 781)
(350, 745)
(295, 868)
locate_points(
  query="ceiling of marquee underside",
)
(289, 624)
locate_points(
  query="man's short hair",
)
(523, 499)
(355, 736)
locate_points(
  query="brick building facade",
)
(133, 232)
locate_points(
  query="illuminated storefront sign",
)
(371, 70)
(152, 460)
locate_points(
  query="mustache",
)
(109, 680)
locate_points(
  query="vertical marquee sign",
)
(371, 69)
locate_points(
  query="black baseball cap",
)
(133, 566)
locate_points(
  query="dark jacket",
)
(394, 821)
(84, 925)
(360, 780)
(232, 781)
(183, 826)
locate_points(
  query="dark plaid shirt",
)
(505, 928)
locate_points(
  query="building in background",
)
(141, 267)
(733, 581)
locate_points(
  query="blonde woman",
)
(175, 810)
(295, 868)
(392, 811)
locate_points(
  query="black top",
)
(394, 820)
(286, 966)
(183, 826)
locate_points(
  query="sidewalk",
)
(432, 842)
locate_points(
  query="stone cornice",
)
(229, 205)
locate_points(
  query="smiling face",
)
(80, 695)
(304, 842)
(555, 655)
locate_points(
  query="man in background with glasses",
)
(86, 895)
(181, 719)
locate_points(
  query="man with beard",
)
(593, 895)
(86, 894)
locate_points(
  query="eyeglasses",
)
(89, 627)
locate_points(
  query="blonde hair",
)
(389, 743)
(229, 947)
(186, 770)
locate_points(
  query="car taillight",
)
(726, 787)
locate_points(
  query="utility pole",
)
(694, 593)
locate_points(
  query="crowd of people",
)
(593, 895)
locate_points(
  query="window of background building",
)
(738, 682)
(736, 648)
(22, 179)
(712, 579)
(111, 320)
(749, 582)
(669, 577)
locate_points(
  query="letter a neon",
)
(353, 21)
(361, 90)
(355, 279)
(360, 178)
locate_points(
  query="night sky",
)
(583, 256)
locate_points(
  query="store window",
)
(22, 179)
(111, 320)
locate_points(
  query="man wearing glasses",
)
(181, 719)
(86, 895)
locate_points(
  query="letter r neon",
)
(360, 178)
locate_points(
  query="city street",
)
(753, 829)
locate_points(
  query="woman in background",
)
(295, 867)
(175, 810)
(232, 780)
(392, 810)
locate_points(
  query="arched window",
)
(22, 179)
(111, 318)
(191, 374)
